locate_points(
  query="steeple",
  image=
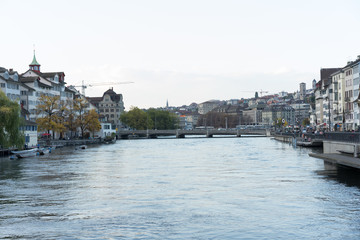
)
(34, 65)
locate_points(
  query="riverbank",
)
(70, 142)
(60, 143)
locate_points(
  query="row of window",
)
(109, 110)
(38, 94)
(13, 86)
(13, 97)
(112, 115)
(28, 128)
(108, 105)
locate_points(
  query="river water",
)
(192, 188)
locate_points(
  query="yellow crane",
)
(84, 86)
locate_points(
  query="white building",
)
(106, 130)
(338, 100)
(38, 83)
(349, 97)
(9, 84)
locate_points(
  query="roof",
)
(28, 79)
(94, 100)
(9, 80)
(34, 62)
(26, 86)
(52, 74)
(114, 97)
(44, 85)
(325, 74)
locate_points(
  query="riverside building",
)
(110, 105)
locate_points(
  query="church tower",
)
(34, 65)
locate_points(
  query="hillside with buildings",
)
(332, 103)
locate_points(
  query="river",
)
(192, 188)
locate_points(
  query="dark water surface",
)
(199, 188)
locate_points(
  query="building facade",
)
(110, 105)
(206, 107)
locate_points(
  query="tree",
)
(92, 123)
(61, 117)
(70, 122)
(160, 119)
(306, 122)
(80, 108)
(48, 108)
(136, 118)
(10, 122)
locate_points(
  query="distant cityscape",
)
(331, 103)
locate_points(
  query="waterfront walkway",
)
(341, 159)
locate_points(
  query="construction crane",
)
(261, 92)
(84, 86)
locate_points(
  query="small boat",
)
(25, 153)
(43, 151)
(81, 147)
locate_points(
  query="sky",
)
(181, 51)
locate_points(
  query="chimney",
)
(10, 70)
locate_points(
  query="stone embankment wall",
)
(284, 138)
(72, 142)
(337, 147)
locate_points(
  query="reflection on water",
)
(341, 174)
(198, 188)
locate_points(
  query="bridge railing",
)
(353, 137)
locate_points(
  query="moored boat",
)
(43, 151)
(81, 147)
(25, 153)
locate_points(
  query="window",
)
(2, 85)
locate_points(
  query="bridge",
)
(125, 134)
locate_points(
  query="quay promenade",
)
(339, 148)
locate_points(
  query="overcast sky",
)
(181, 51)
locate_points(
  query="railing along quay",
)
(348, 137)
